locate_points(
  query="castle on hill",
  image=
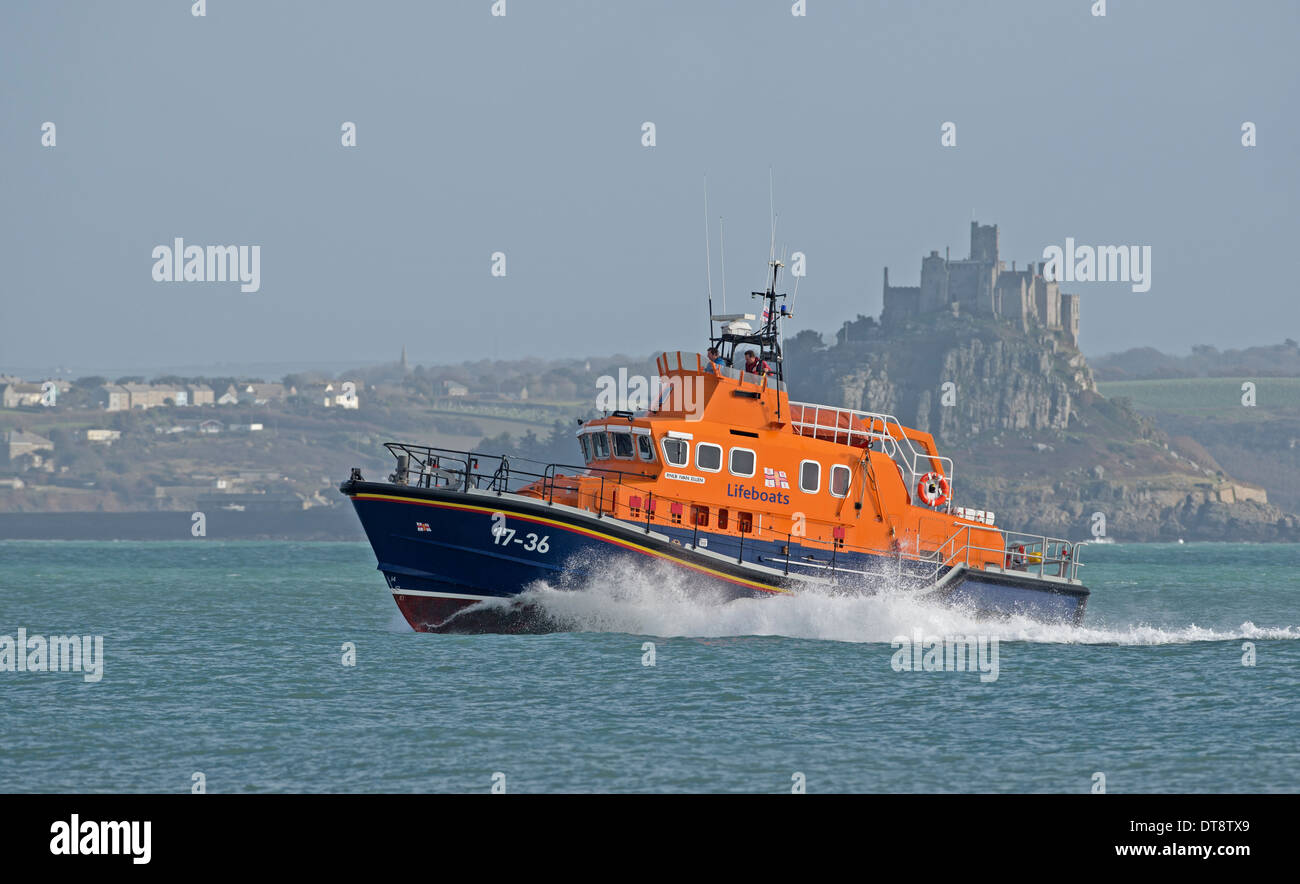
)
(981, 285)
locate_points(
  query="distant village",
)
(171, 443)
(17, 393)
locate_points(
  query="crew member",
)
(754, 365)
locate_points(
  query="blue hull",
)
(455, 560)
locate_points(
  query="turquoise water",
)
(225, 659)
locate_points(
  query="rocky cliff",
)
(1031, 437)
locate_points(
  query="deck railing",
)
(866, 429)
(623, 494)
(1028, 553)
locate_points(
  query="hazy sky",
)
(523, 134)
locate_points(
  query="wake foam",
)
(658, 599)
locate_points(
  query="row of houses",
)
(125, 397)
(16, 393)
(329, 395)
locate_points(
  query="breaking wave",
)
(657, 599)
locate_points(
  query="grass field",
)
(1210, 397)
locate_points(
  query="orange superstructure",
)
(727, 452)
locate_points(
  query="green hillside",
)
(1209, 397)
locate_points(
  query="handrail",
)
(434, 467)
(895, 445)
(1020, 551)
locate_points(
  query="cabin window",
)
(742, 462)
(708, 457)
(745, 522)
(600, 446)
(722, 520)
(645, 448)
(677, 452)
(586, 448)
(701, 515)
(810, 476)
(622, 445)
(840, 480)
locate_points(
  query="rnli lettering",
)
(745, 492)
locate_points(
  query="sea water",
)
(284, 667)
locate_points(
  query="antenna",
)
(722, 247)
(794, 297)
(771, 210)
(708, 263)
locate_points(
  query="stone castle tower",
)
(982, 285)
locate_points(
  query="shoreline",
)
(333, 524)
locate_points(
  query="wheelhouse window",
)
(677, 452)
(742, 462)
(810, 476)
(645, 448)
(600, 446)
(622, 445)
(586, 448)
(708, 457)
(840, 480)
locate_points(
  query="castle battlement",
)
(981, 285)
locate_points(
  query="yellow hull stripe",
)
(565, 526)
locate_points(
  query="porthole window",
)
(840, 480)
(810, 476)
(677, 452)
(708, 457)
(742, 462)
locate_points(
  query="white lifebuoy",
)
(933, 489)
